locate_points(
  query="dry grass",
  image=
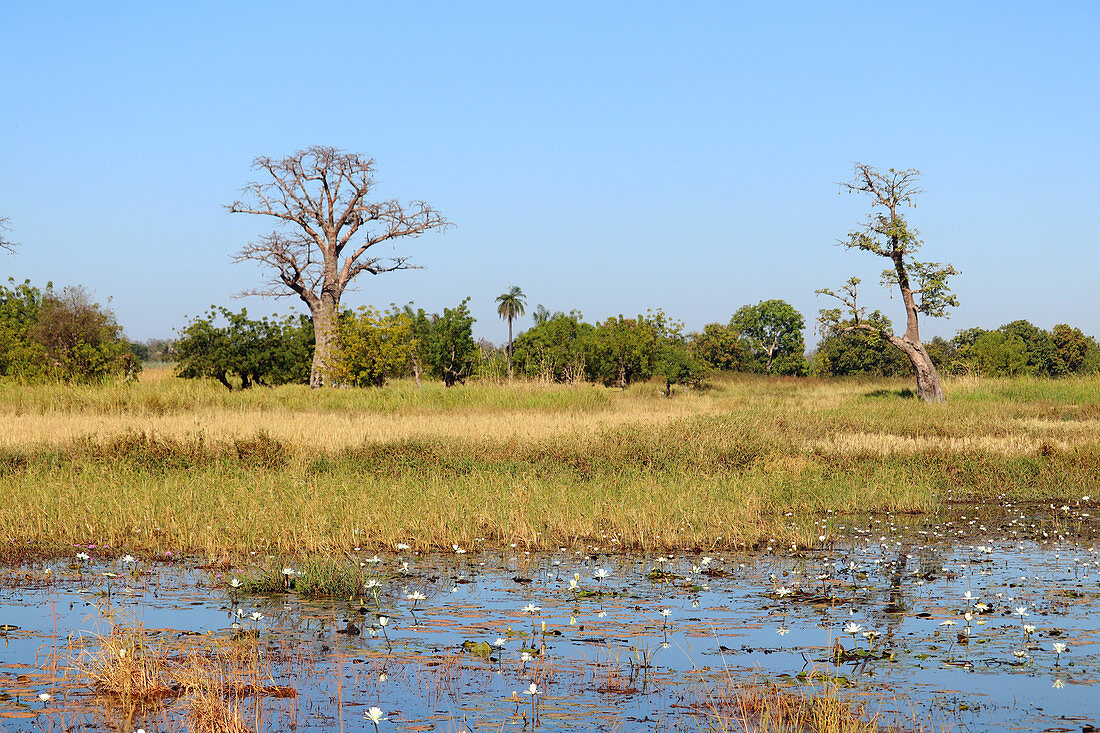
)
(768, 709)
(182, 466)
(201, 679)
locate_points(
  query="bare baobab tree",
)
(923, 285)
(327, 229)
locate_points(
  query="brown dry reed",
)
(171, 465)
(203, 679)
(738, 708)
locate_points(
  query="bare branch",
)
(4, 243)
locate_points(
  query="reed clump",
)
(202, 680)
(770, 709)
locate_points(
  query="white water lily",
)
(531, 608)
(853, 628)
(1020, 611)
(375, 715)
(533, 690)
(235, 583)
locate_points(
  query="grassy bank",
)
(171, 465)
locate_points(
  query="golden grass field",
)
(185, 466)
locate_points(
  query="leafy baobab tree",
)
(923, 285)
(511, 305)
(327, 229)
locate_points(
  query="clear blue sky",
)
(609, 157)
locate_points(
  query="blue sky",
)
(609, 157)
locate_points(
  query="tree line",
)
(327, 227)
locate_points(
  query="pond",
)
(965, 623)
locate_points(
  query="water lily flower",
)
(1029, 629)
(783, 591)
(458, 550)
(128, 558)
(500, 642)
(416, 597)
(257, 616)
(372, 583)
(81, 556)
(949, 622)
(401, 546)
(853, 628)
(531, 608)
(1020, 611)
(533, 690)
(1059, 647)
(44, 697)
(782, 631)
(288, 572)
(383, 620)
(235, 583)
(665, 612)
(375, 715)
(1058, 683)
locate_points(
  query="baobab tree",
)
(923, 285)
(326, 231)
(511, 305)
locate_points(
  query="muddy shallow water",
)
(943, 609)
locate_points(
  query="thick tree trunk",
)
(929, 387)
(325, 341)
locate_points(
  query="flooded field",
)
(985, 622)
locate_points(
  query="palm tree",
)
(510, 306)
